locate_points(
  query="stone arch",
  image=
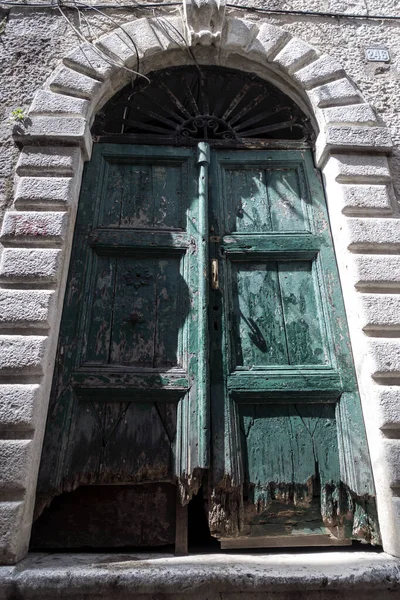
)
(92, 73)
(37, 232)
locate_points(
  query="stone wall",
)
(318, 60)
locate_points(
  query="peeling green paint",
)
(160, 378)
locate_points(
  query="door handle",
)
(214, 274)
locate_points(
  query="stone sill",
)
(218, 576)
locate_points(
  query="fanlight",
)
(183, 104)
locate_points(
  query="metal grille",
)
(182, 105)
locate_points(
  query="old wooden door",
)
(126, 421)
(290, 462)
(172, 374)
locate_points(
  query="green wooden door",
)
(126, 408)
(164, 382)
(289, 454)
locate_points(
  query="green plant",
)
(18, 115)
(3, 24)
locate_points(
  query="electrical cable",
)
(310, 13)
(271, 11)
(165, 25)
(88, 6)
(96, 50)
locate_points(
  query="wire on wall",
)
(134, 5)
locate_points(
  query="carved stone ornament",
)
(204, 20)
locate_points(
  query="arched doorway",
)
(203, 341)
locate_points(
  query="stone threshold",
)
(217, 576)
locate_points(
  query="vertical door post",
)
(202, 371)
(203, 160)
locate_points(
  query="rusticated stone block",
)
(15, 464)
(74, 83)
(381, 312)
(321, 71)
(25, 308)
(23, 264)
(170, 33)
(353, 113)
(46, 191)
(386, 405)
(121, 48)
(373, 234)
(267, 42)
(392, 458)
(359, 168)
(90, 61)
(71, 130)
(43, 161)
(336, 93)
(51, 103)
(18, 406)
(238, 34)
(356, 137)
(142, 37)
(20, 353)
(295, 55)
(12, 546)
(361, 198)
(377, 271)
(34, 226)
(61, 129)
(385, 355)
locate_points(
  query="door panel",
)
(303, 327)
(150, 334)
(121, 441)
(140, 194)
(258, 332)
(260, 199)
(291, 458)
(275, 314)
(108, 516)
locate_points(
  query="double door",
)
(203, 347)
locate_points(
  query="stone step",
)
(343, 575)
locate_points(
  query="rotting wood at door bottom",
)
(189, 485)
(291, 510)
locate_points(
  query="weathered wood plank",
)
(181, 529)
(247, 199)
(98, 332)
(138, 193)
(124, 369)
(117, 442)
(285, 541)
(258, 325)
(122, 516)
(283, 445)
(109, 241)
(302, 314)
(272, 246)
(302, 381)
(288, 204)
(134, 381)
(147, 315)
